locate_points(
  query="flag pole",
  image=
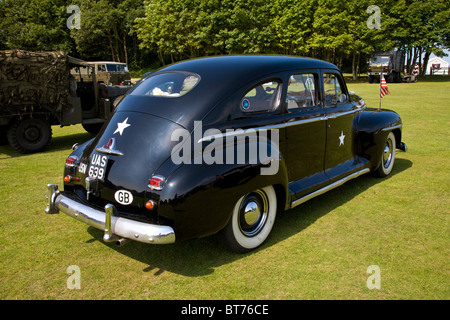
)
(381, 82)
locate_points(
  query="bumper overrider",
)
(117, 229)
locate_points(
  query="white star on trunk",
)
(341, 139)
(121, 126)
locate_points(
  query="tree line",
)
(158, 32)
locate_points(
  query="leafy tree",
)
(35, 25)
(107, 29)
(331, 38)
(293, 25)
(185, 29)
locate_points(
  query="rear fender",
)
(199, 198)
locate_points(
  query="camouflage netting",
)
(33, 82)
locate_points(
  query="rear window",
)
(174, 84)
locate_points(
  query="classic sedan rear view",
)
(221, 145)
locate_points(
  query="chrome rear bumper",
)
(115, 228)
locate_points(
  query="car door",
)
(305, 133)
(340, 135)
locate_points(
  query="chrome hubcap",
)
(387, 155)
(253, 213)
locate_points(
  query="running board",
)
(328, 188)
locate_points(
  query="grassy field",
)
(319, 250)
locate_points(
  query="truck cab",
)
(388, 63)
(112, 73)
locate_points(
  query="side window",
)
(263, 97)
(301, 92)
(333, 89)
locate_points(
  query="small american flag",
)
(383, 87)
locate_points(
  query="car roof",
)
(244, 65)
(220, 76)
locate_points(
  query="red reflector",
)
(156, 182)
(68, 179)
(150, 204)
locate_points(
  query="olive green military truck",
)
(41, 89)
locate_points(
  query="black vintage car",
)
(222, 144)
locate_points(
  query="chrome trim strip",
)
(116, 226)
(109, 151)
(337, 115)
(329, 187)
(294, 123)
(393, 127)
(239, 132)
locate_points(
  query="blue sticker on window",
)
(245, 104)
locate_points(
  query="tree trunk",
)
(420, 59)
(358, 65)
(354, 72)
(125, 47)
(161, 57)
(111, 47)
(425, 62)
(409, 62)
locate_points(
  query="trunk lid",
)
(117, 165)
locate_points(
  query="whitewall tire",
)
(251, 221)
(387, 157)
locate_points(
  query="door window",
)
(301, 92)
(333, 92)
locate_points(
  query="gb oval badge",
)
(123, 197)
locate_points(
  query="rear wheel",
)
(251, 221)
(388, 157)
(29, 135)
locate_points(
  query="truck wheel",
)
(370, 79)
(29, 135)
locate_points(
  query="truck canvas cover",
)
(33, 81)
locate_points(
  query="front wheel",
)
(251, 221)
(388, 157)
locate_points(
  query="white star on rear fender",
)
(341, 139)
(121, 126)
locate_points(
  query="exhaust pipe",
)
(121, 242)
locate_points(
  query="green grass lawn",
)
(319, 250)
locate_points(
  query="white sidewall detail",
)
(257, 240)
(388, 170)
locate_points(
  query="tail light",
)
(71, 162)
(156, 182)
